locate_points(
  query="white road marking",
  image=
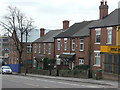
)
(31, 84)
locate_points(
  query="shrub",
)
(52, 61)
(45, 63)
(81, 67)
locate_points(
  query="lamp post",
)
(49, 69)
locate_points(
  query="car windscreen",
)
(6, 67)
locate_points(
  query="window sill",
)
(97, 43)
(108, 43)
(81, 50)
(97, 65)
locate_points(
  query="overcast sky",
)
(49, 14)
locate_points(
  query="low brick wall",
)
(62, 73)
(74, 73)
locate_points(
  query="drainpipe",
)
(89, 62)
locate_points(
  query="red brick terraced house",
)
(105, 39)
(44, 47)
(72, 45)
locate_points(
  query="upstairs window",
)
(81, 44)
(39, 48)
(97, 36)
(73, 44)
(65, 43)
(35, 48)
(109, 35)
(49, 48)
(58, 44)
(44, 48)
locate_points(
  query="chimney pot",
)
(65, 24)
(103, 9)
(42, 31)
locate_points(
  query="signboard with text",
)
(110, 49)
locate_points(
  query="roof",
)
(113, 19)
(49, 37)
(77, 30)
(70, 56)
(85, 30)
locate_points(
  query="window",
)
(65, 43)
(97, 58)
(97, 35)
(109, 35)
(5, 40)
(39, 48)
(73, 44)
(81, 44)
(49, 49)
(58, 44)
(29, 48)
(58, 59)
(35, 48)
(81, 61)
(44, 48)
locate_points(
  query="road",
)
(17, 81)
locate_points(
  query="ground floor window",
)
(81, 61)
(58, 59)
(112, 63)
(97, 58)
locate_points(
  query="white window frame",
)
(97, 56)
(35, 48)
(58, 44)
(81, 61)
(73, 44)
(49, 48)
(44, 48)
(58, 60)
(65, 44)
(39, 48)
(82, 43)
(109, 29)
(98, 29)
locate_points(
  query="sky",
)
(49, 14)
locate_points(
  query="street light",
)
(49, 68)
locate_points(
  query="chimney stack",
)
(42, 31)
(65, 24)
(103, 8)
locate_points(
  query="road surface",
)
(17, 81)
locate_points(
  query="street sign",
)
(110, 49)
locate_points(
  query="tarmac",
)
(114, 84)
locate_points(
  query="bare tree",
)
(15, 21)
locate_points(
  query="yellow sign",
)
(110, 49)
(118, 35)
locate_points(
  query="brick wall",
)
(79, 54)
(103, 41)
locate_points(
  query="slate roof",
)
(77, 29)
(113, 19)
(85, 30)
(48, 37)
(73, 29)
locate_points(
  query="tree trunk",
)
(19, 64)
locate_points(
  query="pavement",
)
(92, 81)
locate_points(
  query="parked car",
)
(6, 70)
